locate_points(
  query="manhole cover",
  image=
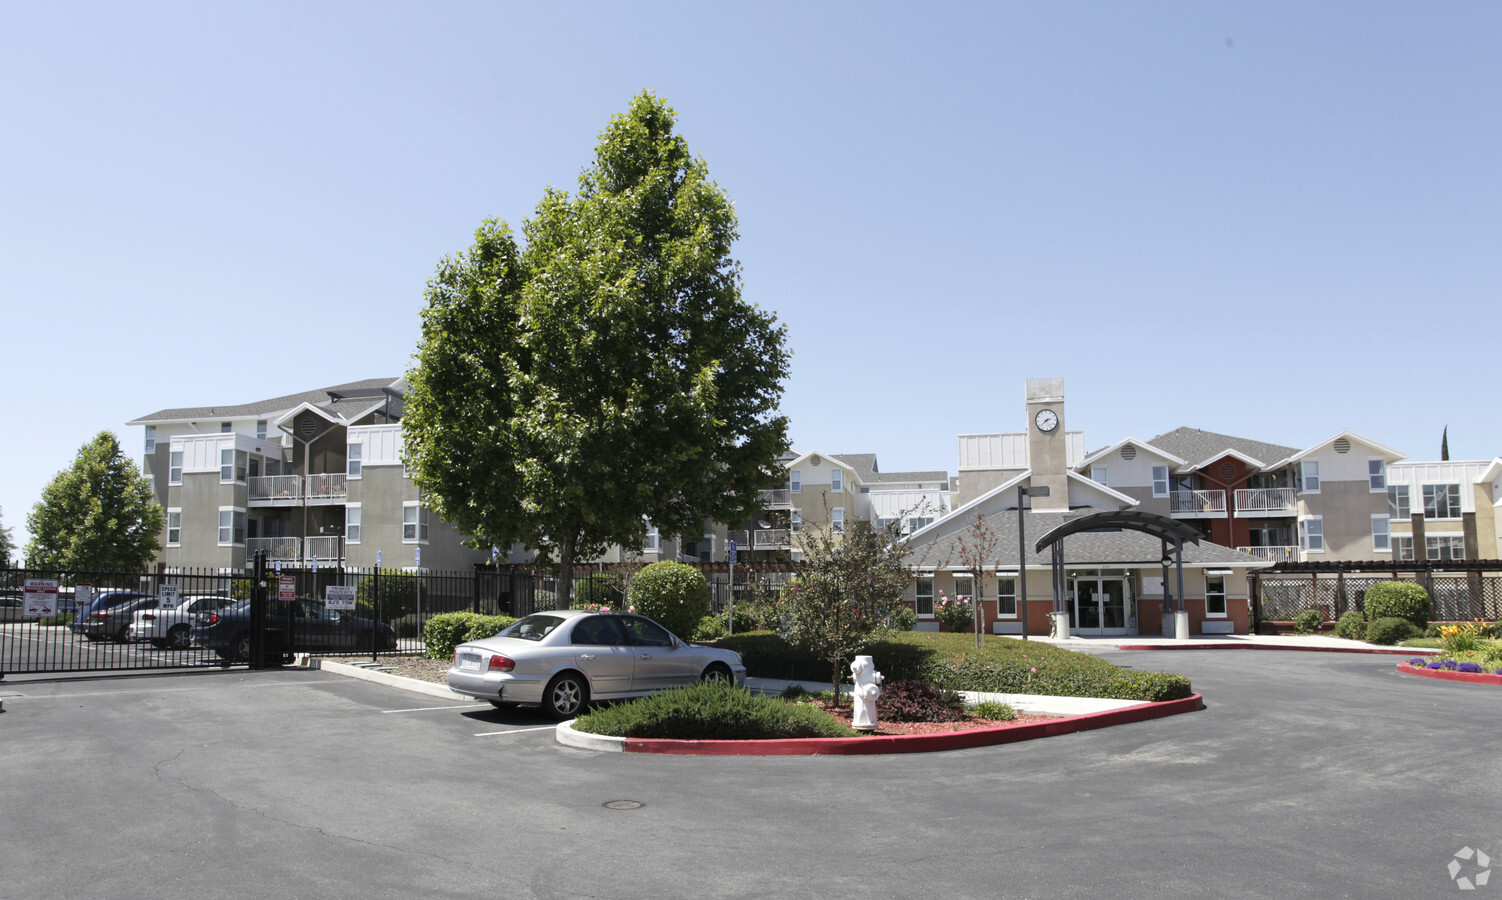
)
(623, 804)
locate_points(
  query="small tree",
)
(846, 588)
(98, 514)
(977, 551)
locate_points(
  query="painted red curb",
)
(1405, 651)
(918, 743)
(1448, 675)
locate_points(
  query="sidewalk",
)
(1310, 642)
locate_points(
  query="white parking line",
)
(516, 731)
(424, 709)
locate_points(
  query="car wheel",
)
(566, 695)
(179, 638)
(123, 635)
(717, 672)
(240, 646)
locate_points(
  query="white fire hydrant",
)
(867, 689)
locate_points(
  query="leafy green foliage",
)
(918, 701)
(400, 592)
(902, 618)
(98, 514)
(993, 709)
(674, 594)
(1308, 621)
(607, 373)
(1399, 599)
(599, 589)
(1390, 630)
(446, 631)
(712, 710)
(710, 628)
(1352, 626)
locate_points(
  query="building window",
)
(916, 522)
(837, 519)
(175, 467)
(795, 481)
(654, 539)
(1215, 596)
(1098, 474)
(352, 461)
(352, 523)
(1441, 501)
(1309, 476)
(837, 481)
(174, 527)
(414, 523)
(1377, 474)
(964, 585)
(1160, 481)
(1312, 534)
(150, 438)
(1006, 596)
(232, 465)
(924, 594)
(1445, 546)
(231, 527)
(1397, 501)
(226, 427)
(1381, 534)
(706, 548)
(796, 520)
(1402, 548)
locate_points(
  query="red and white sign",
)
(286, 587)
(41, 598)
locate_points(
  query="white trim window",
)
(260, 429)
(1160, 481)
(1444, 546)
(150, 438)
(923, 596)
(414, 523)
(1215, 596)
(795, 481)
(837, 520)
(1312, 534)
(964, 585)
(654, 539)
(226, 427)
(1381, 534)
(175, 467)
(1309, 476)
(1402, 548)
(706, 548)
(916, 522)
(1376, 474)
(1441, 501)
(352, 523)
(232, 465)
(231, 526)
(1006, 595)
(1398, 502)
(837, 481)
(1098, 475)
(352, 466)
(174, 527)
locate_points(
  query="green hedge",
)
(446, 631)
(674, 594)
(1351, 625)
(1397, 599)
(1390, 630)
(711, 710)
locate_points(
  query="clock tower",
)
(1047, 454)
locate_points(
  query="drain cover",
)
(623, 804)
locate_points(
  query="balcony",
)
(1197, 504)
(1272, 554)
(275, 490)
(326, 489)
(1265, 502)
(278, 549)
(771, 539)
(776, 498)
(324, 549)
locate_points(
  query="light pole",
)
(1034, 491)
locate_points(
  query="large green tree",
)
(606, 373)
(100, 514)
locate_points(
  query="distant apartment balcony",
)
(776, 498)
(772, 539)
(1197, 504)
(1273, 554)
(742, 539)
(278, 549)
(275, 490)
(1254, 503)
(326, 489)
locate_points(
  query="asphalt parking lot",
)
(1307, 774)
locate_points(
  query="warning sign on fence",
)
(41, 598)
(286, 587)
(340, 597)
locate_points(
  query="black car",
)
(101, 603)
(292, 626)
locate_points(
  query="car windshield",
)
(532, 628)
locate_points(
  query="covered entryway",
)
(1100, 605)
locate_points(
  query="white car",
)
(172, 628)
(561, 660)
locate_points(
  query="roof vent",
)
(1128, 452)
(1227, 471)
(307, 426)
(814, 462)
(1342, 445)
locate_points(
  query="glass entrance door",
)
(1100, 606)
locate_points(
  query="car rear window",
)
(532, 628)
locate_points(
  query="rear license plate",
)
(469, 662)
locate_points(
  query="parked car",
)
(103, 600)
(11, 608)
(564, 658)
(172, 629)
(297, 626)
(113, 622)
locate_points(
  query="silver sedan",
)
(561, 660)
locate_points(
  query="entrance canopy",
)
(1169, 531)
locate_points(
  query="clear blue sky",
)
(1276, 220)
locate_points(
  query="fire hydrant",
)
(867, 689)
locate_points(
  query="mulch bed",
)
(885, 727)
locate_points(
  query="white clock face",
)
(1047, 420)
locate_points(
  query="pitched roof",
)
(1197, 446)
(368, 393)
(866, 470)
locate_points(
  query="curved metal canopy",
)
(1131, 519)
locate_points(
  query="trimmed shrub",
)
(1351, 626)
(1400, 600)
(902, 618)
(674, 594)
(712, 710)
(1390, 630)
(993, 709)
(1308, 622)
(918, 701)
(446, 631)
(710, 628)
(599, 589)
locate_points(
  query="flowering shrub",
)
(1462, 638)
(1473, 668)
(954, 613)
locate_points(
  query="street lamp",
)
(1035, 491)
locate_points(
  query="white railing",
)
(1266, 502)
(742, 539)
(1273, 554)
(327, 488)
(1197, 503)
(776, 498)
(277, 548)
(326, 549)
(771, 539)
(275, 489)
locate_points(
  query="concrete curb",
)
(899, 743)
(1395, 651)
(396, 681)
(1448, 675)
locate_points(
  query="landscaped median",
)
(1449, 670)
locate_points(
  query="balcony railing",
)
(278, 549)
(1273, 554)
(771, 539)
(1266, 502)
(776, 498)
(324, 548)
(326, 488)
(275, 490)
(1197, 504)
